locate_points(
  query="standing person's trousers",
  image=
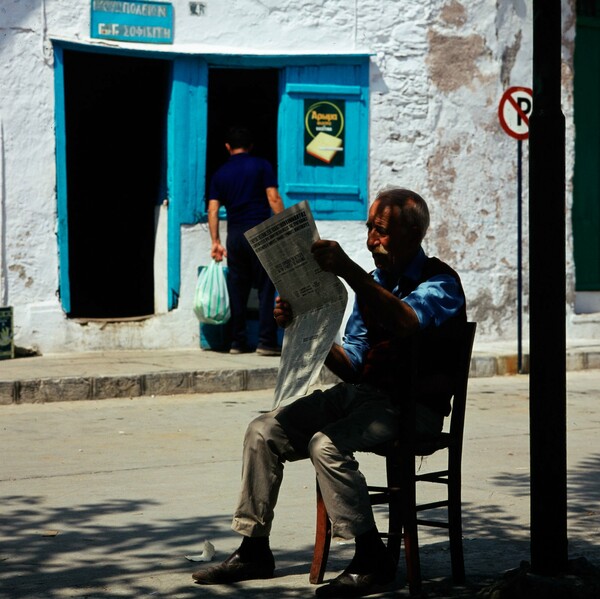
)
(327, 427)
(246, 271)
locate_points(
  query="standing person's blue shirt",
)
(241, 183)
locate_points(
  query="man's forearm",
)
(390, 311)
(275, 201)
(213, 222)
(338, 362)
(217, 251)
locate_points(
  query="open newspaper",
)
(317, 298)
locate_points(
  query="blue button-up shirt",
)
(434, 301)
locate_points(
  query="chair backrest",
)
(460, 376)
(459, 401)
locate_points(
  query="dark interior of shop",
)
(247, 97)
(116, 110)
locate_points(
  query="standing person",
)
(407, 293)
(247, 186)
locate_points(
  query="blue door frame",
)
(338, 193)
(61, 180)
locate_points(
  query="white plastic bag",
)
(211, 301)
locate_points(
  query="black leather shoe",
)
(348, 584)
(233, 569)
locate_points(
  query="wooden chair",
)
(400, 492)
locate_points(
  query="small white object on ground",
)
(206, 556)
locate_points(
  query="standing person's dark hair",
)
(247, 187)
(239, 137)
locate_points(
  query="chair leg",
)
(413, 560)
(455, 529)
(409, 518)
(322, 541)
(394, 485)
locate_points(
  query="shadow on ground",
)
(90, 556)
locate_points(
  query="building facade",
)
(111, 123)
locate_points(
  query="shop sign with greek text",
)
(135, 21)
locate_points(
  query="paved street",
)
(105, 498)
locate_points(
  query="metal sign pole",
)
(520, 256)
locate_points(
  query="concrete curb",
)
(483, 365)
(162, 383)
(176, 382)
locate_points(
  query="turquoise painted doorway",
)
(115, 123)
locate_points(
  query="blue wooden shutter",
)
(333, 192)
(186, 158)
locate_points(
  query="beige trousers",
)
(327, 427)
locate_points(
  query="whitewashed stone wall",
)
(438, 71)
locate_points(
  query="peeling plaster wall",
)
(438, 71)
(568, 49)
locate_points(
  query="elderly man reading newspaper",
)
(407, 292)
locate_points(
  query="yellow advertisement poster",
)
(324, 132)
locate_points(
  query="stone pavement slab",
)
(104, 499)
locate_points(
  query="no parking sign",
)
(514, 110)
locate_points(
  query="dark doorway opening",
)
(115, 117)
(248, 97)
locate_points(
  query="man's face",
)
(391, 245)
